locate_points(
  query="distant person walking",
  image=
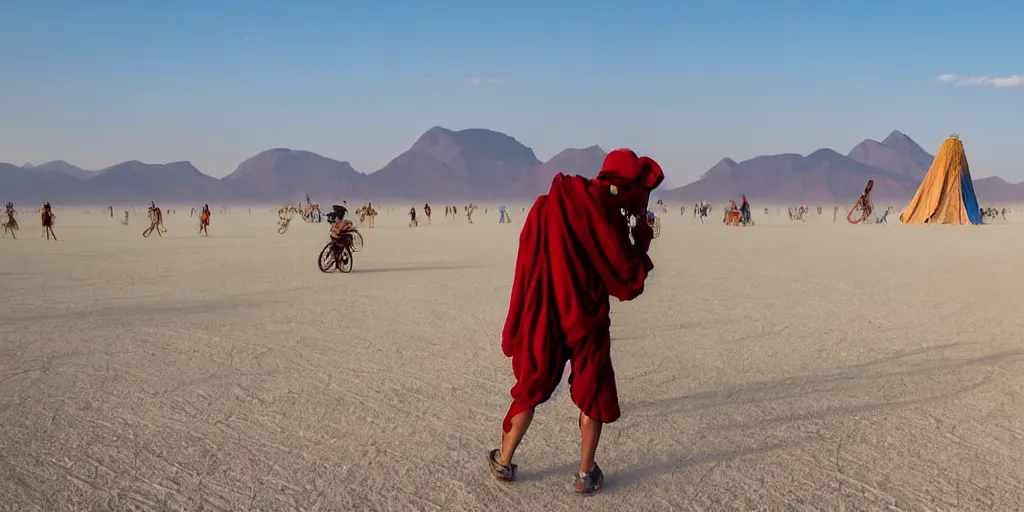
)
(412, 218)
(503, 215)
(204, 220)
(47, 218)
(11, 224)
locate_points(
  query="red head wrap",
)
(634, 178)
(623, 164)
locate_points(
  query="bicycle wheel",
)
(347, 260)
(282, 228)
(147, 232)
(357, 241)
(326, 259)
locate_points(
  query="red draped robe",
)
(574, 251)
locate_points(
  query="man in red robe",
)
(575, 252)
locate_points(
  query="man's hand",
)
(642, 235)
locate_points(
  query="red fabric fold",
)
(574, 252)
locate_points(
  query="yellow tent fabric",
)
(946, 195)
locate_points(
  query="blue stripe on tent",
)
(969, 198)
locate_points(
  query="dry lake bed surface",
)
(787, 366)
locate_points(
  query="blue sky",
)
(214, 82)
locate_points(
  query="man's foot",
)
(500, 471)
(589, 483)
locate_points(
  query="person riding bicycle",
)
(341, 228)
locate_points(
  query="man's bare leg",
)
(590, 435)
(510, 440)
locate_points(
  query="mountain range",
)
(482, 165)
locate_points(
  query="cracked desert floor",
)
(787, 366)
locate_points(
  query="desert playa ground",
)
(788, 366)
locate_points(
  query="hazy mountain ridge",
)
(897, 164)
(480, 164)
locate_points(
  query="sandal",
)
(589, 483)
(500, 471)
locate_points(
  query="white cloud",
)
(483, 81)
(983, 81)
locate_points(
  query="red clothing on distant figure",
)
(574, 251)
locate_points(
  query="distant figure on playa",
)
(124, 221)
(111, 208)
(47, 217)
(370, 214)
(193, 212)
(156, 221)
(204, 220)
(835, 213)
(426, 211)
(884, 219)
(412, 217)
(575, 252)
(469, 212)
(11, 223)
(503, 215)
(284, 218)
(745, 210)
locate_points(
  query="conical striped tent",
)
(946, 196)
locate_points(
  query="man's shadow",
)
(824, 394)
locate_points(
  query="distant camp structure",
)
(946, 195)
